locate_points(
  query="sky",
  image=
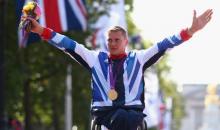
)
(196, 60)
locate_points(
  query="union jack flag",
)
(59, 15)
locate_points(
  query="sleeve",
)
(153, 54)
(174, 40)
(81, 54)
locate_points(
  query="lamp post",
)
(68, 99)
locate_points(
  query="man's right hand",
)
(35, 26)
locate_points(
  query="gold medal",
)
(112, 94)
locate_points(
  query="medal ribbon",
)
(112, 76)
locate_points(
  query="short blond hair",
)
(118, 29)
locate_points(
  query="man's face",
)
(117, 43)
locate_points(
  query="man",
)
(117, 76)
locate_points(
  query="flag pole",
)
(2, 85)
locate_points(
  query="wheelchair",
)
(96, 126)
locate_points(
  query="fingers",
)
(24, 18)
(205, 17)
(194, 13)
(208, 18)
(29, 18)
(33, 21)
(207, 13)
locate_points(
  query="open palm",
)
(200, 21)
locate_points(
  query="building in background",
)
(194, 95)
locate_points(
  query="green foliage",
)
(130, 4)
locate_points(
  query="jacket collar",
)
(120, 56)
